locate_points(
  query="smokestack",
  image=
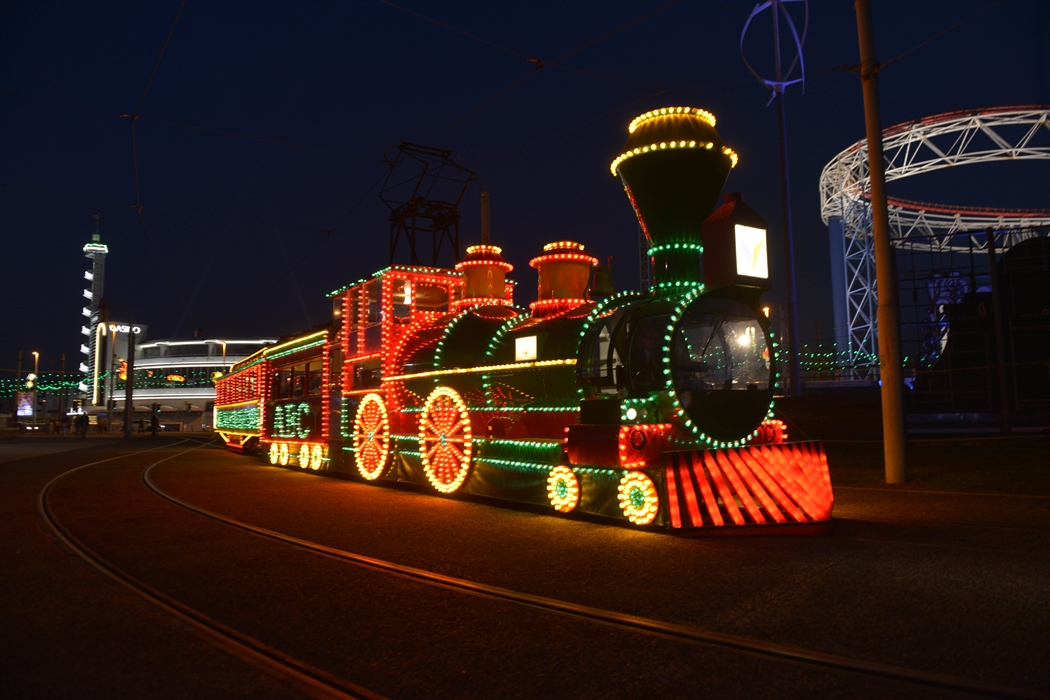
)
(673, 168)
(484, 216)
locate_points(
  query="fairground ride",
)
(912, 148)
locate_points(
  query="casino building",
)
(174, 377)
(177, 378)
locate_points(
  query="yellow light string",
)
(487, 368)
(702, 114)
(673, 145)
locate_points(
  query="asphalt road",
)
(945, 583)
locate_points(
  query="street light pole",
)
(795, 380)
(885, 268)
(782, 78)
(62, 392)
(129, 380)
(36, 381)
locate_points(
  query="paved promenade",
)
(941, 585)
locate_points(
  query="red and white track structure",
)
(948, 140)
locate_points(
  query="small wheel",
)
(304, 456)
(563, 488)
(275, 453)
(445, 440)
(771, 432)
(638, 498)
(282, 456)
(371, 437)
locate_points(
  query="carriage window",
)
(282, 384)
(353, 310)
(299, 380)
(430, 297)
(367, 374)
(721, 347)
(401, 291)
(646, 355)
(370, 296)
(313, 381)
(597, 351)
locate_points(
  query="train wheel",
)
(371, 437)
(445, 440)
(563, 488)
(317, 457)
(639, 500)
(304, 456)
(275, 453)
(282, 455)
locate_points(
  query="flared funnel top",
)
(673, 168)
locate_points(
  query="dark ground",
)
(950, 583)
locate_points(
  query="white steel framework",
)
(913, 148)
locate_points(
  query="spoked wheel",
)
(371, 437)
(445, 440)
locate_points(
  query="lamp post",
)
(36, 377)
(889, 322)
(782, 79)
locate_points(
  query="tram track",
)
(632, 623)
(308, 679)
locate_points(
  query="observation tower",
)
(96, 252)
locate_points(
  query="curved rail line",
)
(648, 626)
(306, 678)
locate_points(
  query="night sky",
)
(338, 83)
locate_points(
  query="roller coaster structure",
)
(912, 148)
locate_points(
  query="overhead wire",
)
(163, 210)
(625, 106)
(938, 34)
(454, 29)
(292, 268)
(500, 47)
(194, 127)
(540, 65)
(842, 67)
(135, 156)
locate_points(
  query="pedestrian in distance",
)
(154, 424)
(82, 425)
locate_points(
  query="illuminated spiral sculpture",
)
(445, 440)
(371, 437)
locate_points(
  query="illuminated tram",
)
(653, 407)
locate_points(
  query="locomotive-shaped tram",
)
(653, 407)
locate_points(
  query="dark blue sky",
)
(350, 79)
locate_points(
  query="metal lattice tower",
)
(423, 190)
(913, 148)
